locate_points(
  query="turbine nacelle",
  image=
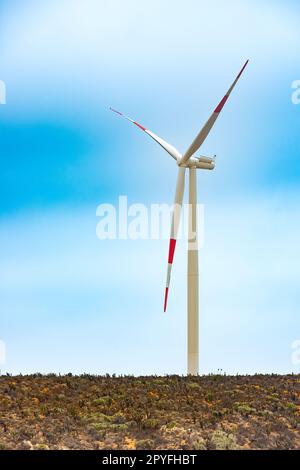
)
(203, 163)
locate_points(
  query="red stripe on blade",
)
(221, 104)
(171, 250)
(166, 299)
(139, 125)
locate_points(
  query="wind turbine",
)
(193, 163)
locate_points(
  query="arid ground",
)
(90, 412)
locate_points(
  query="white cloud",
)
(123, 41)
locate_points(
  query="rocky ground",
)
(89, 412)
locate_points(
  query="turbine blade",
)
(174, 227)
(200, 138)
(165, 145)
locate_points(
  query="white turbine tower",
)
(188, 160)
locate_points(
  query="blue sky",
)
(70, 302)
